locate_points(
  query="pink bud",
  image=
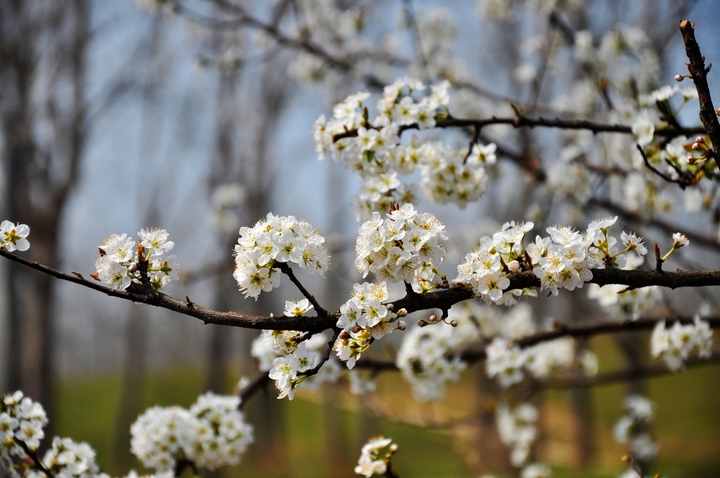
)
(700, 140)
(513, 266)
(695, 146)
(132, 267)
(679, 78)
(690, 160)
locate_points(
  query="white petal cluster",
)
(21, 421)
(364, 318)
(632, 304)
(286, 354)
(67, 458)
(273, 240)
(508, 362)
(212, 434)
(425, 356)
(633, 425)
(405, 246)
(122, 261)
(676, 343)
(563, 260)
(374, 456)
(376, 154)
(13, 237)
(536, 470)
(517, 429)
(486, 268)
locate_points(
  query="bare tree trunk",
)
(39, 172)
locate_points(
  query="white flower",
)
(633, 243)
(297, 308)
(680, 240)
(155, 241)
(14, 237)
(643, 129)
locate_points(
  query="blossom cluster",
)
(364, 318)
(211, 434)
(375, 456)
(21, 426)
(286, 354)
(67, 458)
(632, 427)
(676, 343)
(426, 357)
(508, 362)
(562, 260)
(517, 429)
(274, 240)
(123, 261)
(375, 153)
(405, 246)
(21, 430)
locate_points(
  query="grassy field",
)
(320, 435)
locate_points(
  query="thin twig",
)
(698, 72)
(287, 270)
(685, 178)
(326, 357)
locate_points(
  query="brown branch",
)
(698, 72)
(441, 299)
(695, 238)
(633, 373)
(685, 178)
(574, 331)
(532, 122)
(35, 458)
(325, 357)
(258, 383)
(287, 270)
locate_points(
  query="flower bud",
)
(402, 312)
(401, 325)
(513, 266)
(679, 78)
(132, 267)
(700, 140)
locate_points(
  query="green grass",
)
(320, 435)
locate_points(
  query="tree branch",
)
(697, 70)
(575, 331)
(287, 270)
(522, 121)
(440, 299)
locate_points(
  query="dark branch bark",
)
(697, 70)
(575, 331)
(532, 122)
(441, 299)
